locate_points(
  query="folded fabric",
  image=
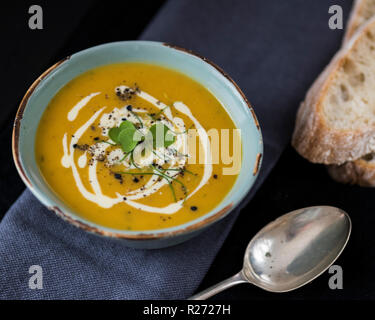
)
(273, 50)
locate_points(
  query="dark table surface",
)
(293, 183)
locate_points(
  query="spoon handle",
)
(221, 286)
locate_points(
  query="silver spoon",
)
(291, 251)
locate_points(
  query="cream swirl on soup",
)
(174, 156)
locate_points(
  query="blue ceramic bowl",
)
(198, 68)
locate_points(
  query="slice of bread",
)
(336, 122)
(363, 10)
(361, 171)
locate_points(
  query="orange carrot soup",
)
(112, 144)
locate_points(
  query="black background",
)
(294, 182)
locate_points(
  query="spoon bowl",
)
(296, 248)
(292, 250)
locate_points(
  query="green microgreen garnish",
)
(154, 116)
(160, 172)
(126, 125)
(124, 136)
(164, 156)
(181, 170)
(156, 174)
(188, 171)
(126, 140)
(169, 177)
(160, 112)
(162, 136)
(137, 173)
(178, 153)
(124, 157)
(113, 134)
(172, 190)
(167, 137)
(138, 118)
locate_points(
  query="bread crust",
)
(359, 172)
(313, 138)
(355, 19)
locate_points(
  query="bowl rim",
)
(81, 223)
